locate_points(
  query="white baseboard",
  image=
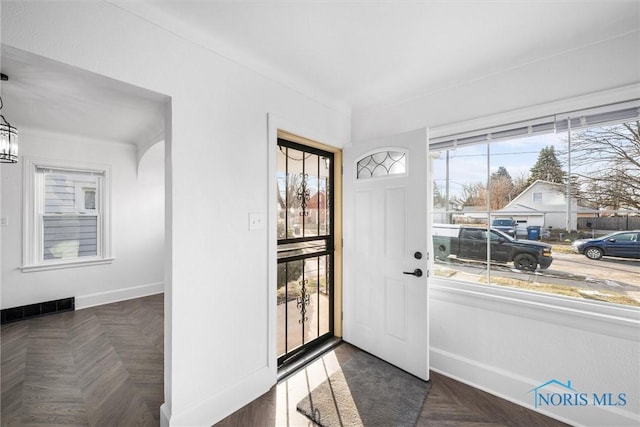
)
(164, 416)
(515, 389)
(100, 298)
(210, 410)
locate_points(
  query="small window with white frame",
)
(67, 220)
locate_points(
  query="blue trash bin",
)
(533, 232)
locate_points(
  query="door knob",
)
(417, 272)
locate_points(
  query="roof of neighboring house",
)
(516, 201)
(518, 209)
(527, 210)
(536, 183)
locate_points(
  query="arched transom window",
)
(382, 164)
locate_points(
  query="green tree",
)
(547, 167)
(289, 272)
(501, 173)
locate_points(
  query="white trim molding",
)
(594, 316)
(32, 249)
(108, 297)
(509, 386)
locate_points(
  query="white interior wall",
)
(507, 343)
(597, 74)
(218, 158)
(216, 340)
(137, 226)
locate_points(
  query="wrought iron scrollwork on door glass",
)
(303, 302)
(303, 194)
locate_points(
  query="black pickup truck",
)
(468, 242)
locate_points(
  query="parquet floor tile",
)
(100, 366)
(448, 404)
(103, 366)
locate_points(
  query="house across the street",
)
(542, 204)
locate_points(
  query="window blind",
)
(40, 169)
(599, 116)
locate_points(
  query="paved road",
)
(608, 274)
(622, 271)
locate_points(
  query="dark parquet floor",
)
(100, 366)
(448, 404)
(103, 366)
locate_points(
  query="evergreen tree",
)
(501, 188)
(547, 167)
(501, 173)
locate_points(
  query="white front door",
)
(385, 215)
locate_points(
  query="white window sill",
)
(602, 317)
(66, 264)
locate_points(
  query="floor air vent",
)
(39, 309)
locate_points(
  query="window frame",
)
(32, 259)
(528, 303)
(81, 193)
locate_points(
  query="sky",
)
(468, 165)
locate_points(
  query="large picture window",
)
(67, 220)
(558, 197)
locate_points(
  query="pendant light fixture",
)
(8, 136)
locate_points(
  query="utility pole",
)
(569, 175)
(447, 205)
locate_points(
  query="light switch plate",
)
(256, 221)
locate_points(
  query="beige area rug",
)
(366, 392)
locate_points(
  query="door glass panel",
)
(323, 196)
(295, 280)
(305, 248)
(309, 297)
(282, 194)
(383, 163)
(294, 174)
(323, 293)
(309, 194)
(283, 305)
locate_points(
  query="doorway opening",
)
(305, 252)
